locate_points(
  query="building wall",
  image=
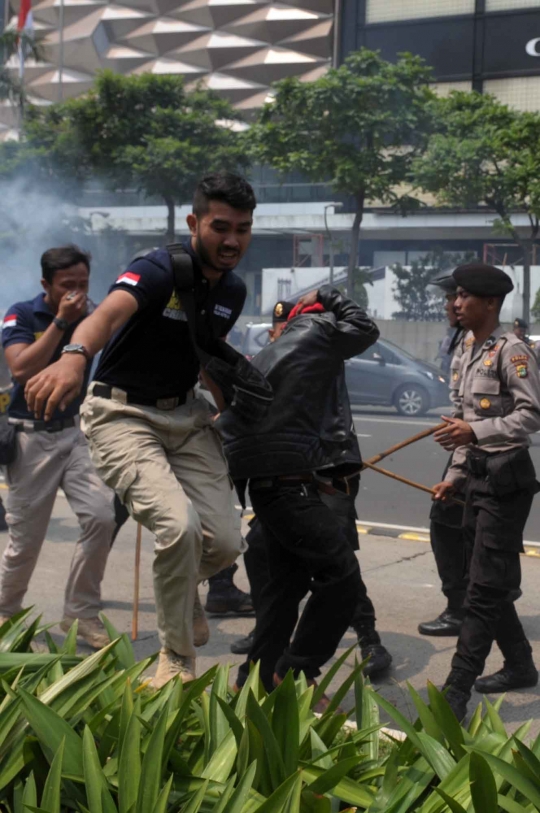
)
(237, 48)
(489, 45)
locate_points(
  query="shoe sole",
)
(239, 651)
(229, 613)
(440, 633)
(530, 685)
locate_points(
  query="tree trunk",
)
(355, 238)
(169, 234)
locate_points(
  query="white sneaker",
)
(201, 630)
(90, 630)
(172, 664)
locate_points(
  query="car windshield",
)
(399, 349)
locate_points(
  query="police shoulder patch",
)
(515, 359)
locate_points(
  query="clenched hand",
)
(55, 386)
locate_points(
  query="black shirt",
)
(152, 356)
(24, 323)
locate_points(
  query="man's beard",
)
(204, 257)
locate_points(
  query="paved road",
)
(401, 569)
(386, 501)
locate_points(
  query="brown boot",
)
(201, 630)
(171, 665)
(90, 630)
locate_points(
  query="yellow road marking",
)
(414, 537)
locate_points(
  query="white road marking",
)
(358, 435)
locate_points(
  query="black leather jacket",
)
(309, 426)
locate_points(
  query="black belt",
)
(337, 484)
(43, 426)
(104, 391)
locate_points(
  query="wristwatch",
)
(61, 324)
(79, 349)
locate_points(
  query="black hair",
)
(58, 259)
(227, 187)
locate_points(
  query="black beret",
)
(446, 282)
(521, 323)
(281, 311)
(480, 279)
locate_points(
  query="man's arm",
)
(58, 384)
(25, 360)
(355, 331)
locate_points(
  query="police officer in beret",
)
(498, 407)
(446, 518)
(339, 496)
(521, 330)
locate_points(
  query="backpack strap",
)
(182, 266)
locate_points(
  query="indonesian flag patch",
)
(10, 320)
(130, 277)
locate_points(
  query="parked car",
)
(255, 338)
(386, 375)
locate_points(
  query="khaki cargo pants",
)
(46, 462)
(168, 468)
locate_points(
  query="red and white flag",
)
(25, 24)
(128, 276)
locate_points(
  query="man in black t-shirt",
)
(150, 437)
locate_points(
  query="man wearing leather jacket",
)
(305, 444)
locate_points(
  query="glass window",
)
(380, 11)
(443, 89)
(503, 5)
(522, 93)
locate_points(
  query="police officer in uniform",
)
(151, 437)
(446, 518)
(498, 408)
(521, 330)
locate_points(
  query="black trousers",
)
(343, 508)
(306, 550)
(493, 531)
(448, 545)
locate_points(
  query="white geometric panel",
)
(235, 47)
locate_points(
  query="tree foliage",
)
(11, 87)
(417, 300)
(485, 153)
(358, 126)
(143, 131)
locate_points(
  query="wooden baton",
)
(425, 434)
(135, 617)
(407, 482)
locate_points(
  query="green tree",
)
(142, 131)
(358, 126)
(417, 301)
(485, 154)
(11, 87)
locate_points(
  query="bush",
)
(87, 735)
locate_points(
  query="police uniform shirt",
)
(152, 356)
(455, 367)
(499, 396)
(24, 323)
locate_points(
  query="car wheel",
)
(411, 400)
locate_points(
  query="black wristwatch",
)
(61, 324)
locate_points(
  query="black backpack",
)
(245, 390)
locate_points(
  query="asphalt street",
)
(385, 501)
(400, 576)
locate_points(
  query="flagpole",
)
(61, 54)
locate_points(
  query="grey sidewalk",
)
(401, 579)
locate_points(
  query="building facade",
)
(492, 46)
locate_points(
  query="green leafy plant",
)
(89, 735)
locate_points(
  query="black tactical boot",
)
(224, 597)
(458, 691)
(243, 645)
(370, 646)
(447, 623)
(457, 700)
(518, 672)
